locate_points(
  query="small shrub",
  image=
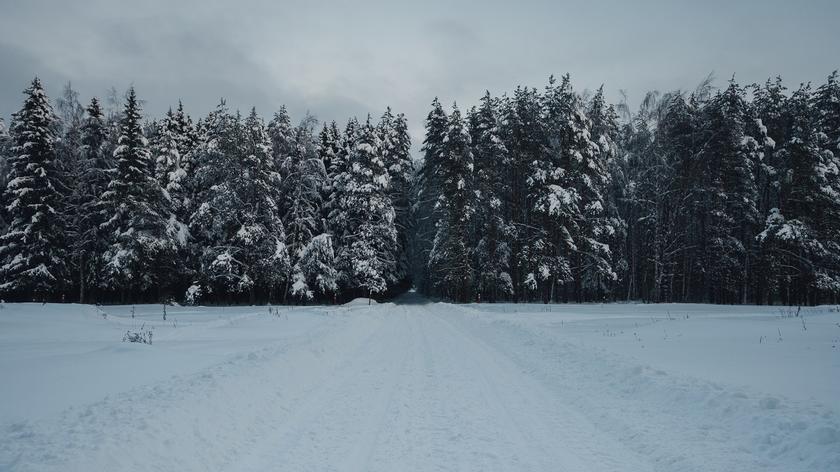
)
(139, 336)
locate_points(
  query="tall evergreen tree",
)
(366, 254)
(339, 176)
(32, 254)
(283, 146)
(237, 219)
(396, 153)
(524, 135)
(142, 232)
(426, 211)
(450, 258)
(89, 240)
(492, 252)
(303, 187)
(315, 275)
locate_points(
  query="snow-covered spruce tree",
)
(210, 213)
(283, 145)
(32, 251)
(593, 271)
(302, 191)
(329, 140)
(366, 252)
(167, 156)
(604, 133)
(329, 147)
(524, 136)
(267, 253)
(427, 189)
(237, 222)
(89, 241)
(799, 231)
(826, 106)
(396, 152)
(142, 232)
(187, 139)
(172, 145)
(450, 259)
(315, 276)
(769, 106)
(492, 253)
(338, 175)
(551, 232)
(727, 163)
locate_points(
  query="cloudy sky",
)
(343, 58)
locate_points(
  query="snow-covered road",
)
(392, 387)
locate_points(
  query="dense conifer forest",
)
(728, 195)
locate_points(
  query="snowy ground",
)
(415, 386)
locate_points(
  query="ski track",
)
(425, 387)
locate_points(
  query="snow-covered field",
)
(414, 386)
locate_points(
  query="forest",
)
(717, 195)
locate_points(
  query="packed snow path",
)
(395, 387)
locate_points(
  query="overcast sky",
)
(344, 58)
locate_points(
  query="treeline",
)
(727, 196)
(721, 196)
(102, 206)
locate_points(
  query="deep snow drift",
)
(420, 387)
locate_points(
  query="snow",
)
(421, 386)
(361, 301)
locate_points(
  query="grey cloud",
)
(343, 58)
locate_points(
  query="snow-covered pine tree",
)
(396, 152)
(328, 143)
(258, 183)
(492, 252)
(450, 259)
(209, 220)
(302, 189)
(315, 276)
(605, 133)
(427, 189)
(329, 148)
(237, 221)
(187, 143)
(545, 130)
(142, 232)
(799, 231)
(587, 167)
(727, 162)
(826, 106)
(89, 243)
(283, 145)
(768, 105)
(365, 256)
(339, 177)
(32, 252)
(165, 153)
(187, 135)
(524, 136)
(402, 196)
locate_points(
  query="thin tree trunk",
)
(82, 279)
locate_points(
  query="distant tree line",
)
(727, 196)
(719, 196)
(102, 206)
